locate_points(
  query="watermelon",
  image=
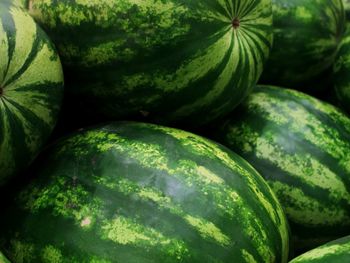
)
(306, 36)
(301, 146)
(31, 89)
(171, 61)
(3, 259)
(134, 192)
(346, 4)
(341, 72)
(337, 251)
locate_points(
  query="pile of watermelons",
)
(114, 115)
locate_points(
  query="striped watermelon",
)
(341, 72)
(337, 251)
(306, 36)
(301, 146)
(168, 61)
(31, 89)
(3, 259)
(133, 192)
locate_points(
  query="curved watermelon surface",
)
(337, 251)
(133, 192)
(341, 72)
(3, 259)
(301, 146)
(168, 61)
(306, 37)
(346, 4)
(31, 89)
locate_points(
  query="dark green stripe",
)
(37, 45)
(10, 29)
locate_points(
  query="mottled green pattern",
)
(337, 251)
(341, 72)
(306, 36)
(31, 83)
(3, 259)
(302, 147)
(169, 61)
(133, 192)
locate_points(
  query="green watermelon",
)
(170, 61)
(337, 251)
(134, 192)
(301, 146)
(341, 72)
(3, 259)
(306, 36)
(31, 89)
(346, 4)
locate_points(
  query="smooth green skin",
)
(134, 192)
(341, 72)
(171, 61)
(306, 37)
(31, 81)
(337, 251)
(301, 146)
(3, 259)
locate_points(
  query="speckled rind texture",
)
(31, 81)
(337, 251)
(306, 36)
(301, 146)
(172, 61)
(134, 192)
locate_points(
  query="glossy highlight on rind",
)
(301, 146)
(306, 36)
(337, 251)
(169, 61)
(31, 82)
(135, 192)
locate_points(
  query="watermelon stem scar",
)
(1, 91)
(235, 23)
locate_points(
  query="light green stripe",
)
(301, 122)
(302, 166)
(105, 14)
(323, 252)
(210, 14)
(25, 36)
(31, 141)
(203, 147)
(58, 196)
(206, 229)
(41, 71)
(213, 59)
(127, 231)
(226, 199)
(196, 67)
(302, 208)
(332, 112)
(4, 53)
(249, 258)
